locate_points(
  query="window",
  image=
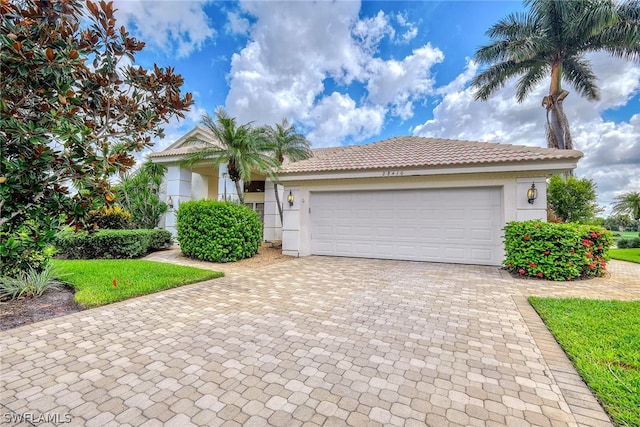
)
(254, 187)
(257, 207)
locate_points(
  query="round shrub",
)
(218, 231)
(556, 251)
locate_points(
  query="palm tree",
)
(284, 142)
(241, 147)
(628, 204)
(552, 38)
(140, 191)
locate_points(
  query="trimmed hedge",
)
(556, 251)
(218, 231)
(111, 244)
(628, 243)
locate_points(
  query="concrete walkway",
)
(314, 341)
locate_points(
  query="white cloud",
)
(174, 29)
(400, 83)
(299, 51)
(337, 117)
(236, 24)
(370, 31)
(410, 29)
(612, 150)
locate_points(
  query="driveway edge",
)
(583, 404)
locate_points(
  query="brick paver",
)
(313, 341)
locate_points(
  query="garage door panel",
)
(481, 235)
(446, 225)
(481, 255)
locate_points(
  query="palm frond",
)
(496, 76)
(578, 72)
(537, 71)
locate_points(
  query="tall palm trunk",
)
(558, 133)
(277, 192)
(239, 191)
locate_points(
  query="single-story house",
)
(405, 198)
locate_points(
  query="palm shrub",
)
(139, 193)
(556, 251)
(218, 231)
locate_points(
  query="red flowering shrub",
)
(556, 251)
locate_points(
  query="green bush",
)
(111, 244)
(556, 251)
(628, 243)
(28, 247)
(218, 231)
(110, 218)
(159, 239)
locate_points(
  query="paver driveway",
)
(315, 341)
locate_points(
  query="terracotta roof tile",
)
(180, 151)
(412, 151)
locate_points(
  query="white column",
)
(292, 244)
(179, 190)
(272, 224)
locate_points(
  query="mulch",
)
(23, 311)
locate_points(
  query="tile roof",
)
(413, 151)
(180, 151)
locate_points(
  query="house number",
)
(392, 173)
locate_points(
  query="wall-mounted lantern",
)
(532, 193)
(290, 198)
(170, 203)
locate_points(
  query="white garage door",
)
(441, 225)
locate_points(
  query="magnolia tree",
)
(73, 112)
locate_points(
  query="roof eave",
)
(553, 165)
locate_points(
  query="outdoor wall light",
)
(170, 203)
(532, 193)
(290, 198)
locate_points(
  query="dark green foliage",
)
(113, 218)
(159, 239)
(26, 248)
(72, 114)
(572, 199)
(556, 251)
(628, 243)
(118, 244)
(218, 231)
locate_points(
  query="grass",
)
(631, 255)
(602, 338)
(100, 282)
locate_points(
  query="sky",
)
(355, 72)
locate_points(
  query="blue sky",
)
(351, 72)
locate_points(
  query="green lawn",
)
(602, 338)
(631, 255)
(100, 282)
